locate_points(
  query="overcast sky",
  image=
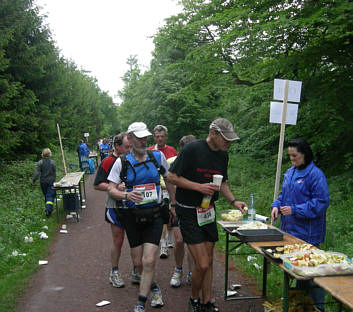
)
(99, 36)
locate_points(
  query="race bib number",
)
(205, 215)
(149, 193)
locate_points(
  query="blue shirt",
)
(306, 192)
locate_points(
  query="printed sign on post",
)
(294, 90)
(276, 113)
(86, 135)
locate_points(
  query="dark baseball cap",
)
(225, 128)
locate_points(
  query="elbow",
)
(171, 178)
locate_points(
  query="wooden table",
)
(340, 287)
(71, 182)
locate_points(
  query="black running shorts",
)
(190, 229)
(138, 234)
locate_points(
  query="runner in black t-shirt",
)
(192, 173)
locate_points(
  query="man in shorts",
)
(121, 146)
(179, 250)
(192, 173)
(160, 133)
(139, 207)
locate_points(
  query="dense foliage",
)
(219, 58)
(39, 89)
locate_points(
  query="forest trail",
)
(76, 276)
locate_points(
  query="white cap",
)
(139, 129)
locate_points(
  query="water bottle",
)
(206, 201)
(252, 209)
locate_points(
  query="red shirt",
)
(168, 151)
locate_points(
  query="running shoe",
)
(209, 307)
(169, 241)
(156, 298)
(195, 305)
(139, 308)
(135, 276)
(115, 279)
(176, 278)
(163, 252)
(188, 278)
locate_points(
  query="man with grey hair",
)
(139, 207)
(160, 133)
(192, 173)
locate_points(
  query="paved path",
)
(76, 277)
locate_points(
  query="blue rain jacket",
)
(308, 197)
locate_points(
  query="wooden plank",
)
(72, 178)
(61, 148)
(340, 287)
(281, 140)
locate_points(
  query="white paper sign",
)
(276, 113)
(86, 135)
(294, 90)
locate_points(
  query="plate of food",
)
(318, 263)
(231, 215)
(275, 252)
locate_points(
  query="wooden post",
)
(281, 140)
(61, 147)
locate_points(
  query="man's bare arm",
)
(204, 188)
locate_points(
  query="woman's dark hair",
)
(303, 147)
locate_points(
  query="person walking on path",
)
(121, 146)
(46, 169)
(160, 133)
(192, 173)
(83, 149)
(104, 149)
(179, 250)
(139, 207)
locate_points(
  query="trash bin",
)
(71, 202)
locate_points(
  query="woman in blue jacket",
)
(303, 201)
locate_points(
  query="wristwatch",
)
(233, 201)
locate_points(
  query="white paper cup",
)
(217, 179)
(63, 226)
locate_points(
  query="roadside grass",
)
(22, 215)
(247, 176)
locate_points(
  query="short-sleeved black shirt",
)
(197, 162)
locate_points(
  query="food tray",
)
(275, 254)
(321, 269)
(271, 253)
(260, 235)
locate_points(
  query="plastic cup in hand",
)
(217, 179)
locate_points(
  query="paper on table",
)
(231, 293)
(63, 231)
(261, 218)
(102, 303)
